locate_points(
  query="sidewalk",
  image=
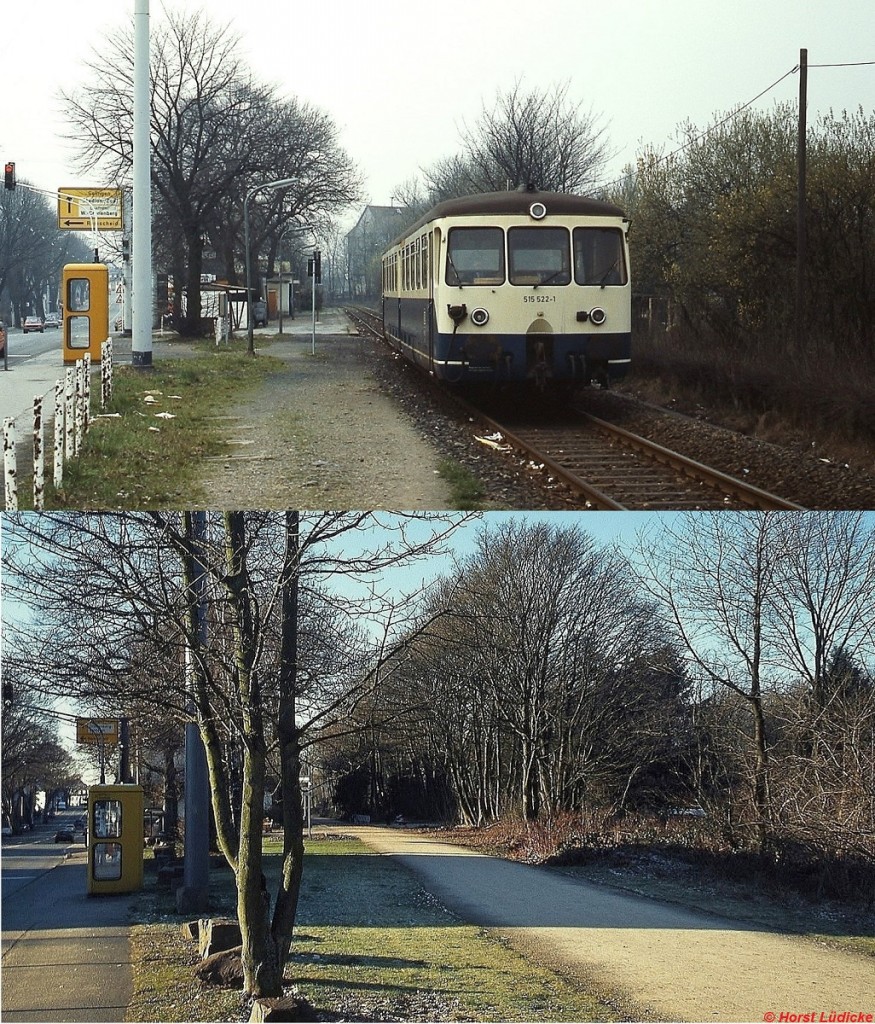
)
(328, 321)
(66, 956)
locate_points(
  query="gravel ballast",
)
(354, 426)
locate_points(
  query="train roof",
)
(518, 201)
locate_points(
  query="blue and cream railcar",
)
(512, 286)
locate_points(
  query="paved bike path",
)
(657, 959)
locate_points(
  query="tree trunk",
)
(531, 784)
(191, 323)
(262, 971)
(286, 908)
(761, 794)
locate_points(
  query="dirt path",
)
(320, 434)
(653, 959)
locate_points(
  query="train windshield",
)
(538, 256)
(599, 256)
(475, 256)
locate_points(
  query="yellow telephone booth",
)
(115, 839)
(85, 296)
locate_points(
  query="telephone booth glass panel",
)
(107, 861)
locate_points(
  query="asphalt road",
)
(66, 957)
(33, 364)
(655, 959)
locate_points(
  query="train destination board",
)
(78, 208)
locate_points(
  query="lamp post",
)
(280, 183)
(283, 233)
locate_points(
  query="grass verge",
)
(466, 491)
(145, 452)
(371, 944)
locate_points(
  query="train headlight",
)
(597, 316)
(479, 316)
(537, 211)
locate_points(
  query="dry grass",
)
(825, 400)
(680, 860)
(164, 422)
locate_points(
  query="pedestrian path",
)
(66, 956)
(328, 321)
(658, 959)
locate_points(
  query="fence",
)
(71, 422)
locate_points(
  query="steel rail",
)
(715, 481)
(738, 489)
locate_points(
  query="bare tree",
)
(216, 134)
(716, 575)
(33, 757)
(253, 682)
(527, 674)
(32, 251)
(828, 601)
(528, 137)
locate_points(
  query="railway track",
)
(609, 467)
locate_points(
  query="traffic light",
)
(7, 696)
(9, 175)
(317, 266)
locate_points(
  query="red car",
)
(32, 323)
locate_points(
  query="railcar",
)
(526, 286)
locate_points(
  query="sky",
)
(606, 528)
(401, 80)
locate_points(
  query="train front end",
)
(539, 295)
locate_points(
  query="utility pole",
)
(141, 304)
(193, 896)
(801, 239)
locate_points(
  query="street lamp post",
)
(280, 183)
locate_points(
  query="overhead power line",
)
(847, 64)
(737, 110)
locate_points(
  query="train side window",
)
(475, 256)
(599, 256)
(417, 276)
(538, 256)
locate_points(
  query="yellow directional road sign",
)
(77, 207)
(97, 730)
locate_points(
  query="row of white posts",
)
(71, 422)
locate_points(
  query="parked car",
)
(52, 320)
(64, 835)
(32, 323)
